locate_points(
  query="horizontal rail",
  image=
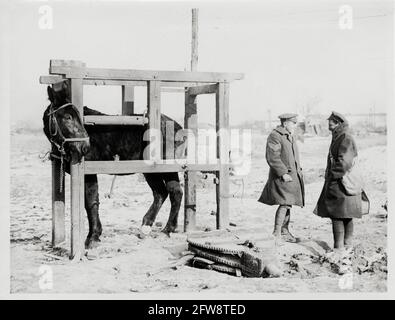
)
(115, 120)
(173, 86)
(207, 89)
(173, 90)
(137, 83)
(66, 63)
(143, 75)
(142, 166)
(51, 79)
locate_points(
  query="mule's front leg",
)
(174, 189)
(92, 210)
(160, 193)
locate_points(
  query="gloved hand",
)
(286, 177)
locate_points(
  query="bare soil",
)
(125, 263)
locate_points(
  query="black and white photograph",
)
(204, 149)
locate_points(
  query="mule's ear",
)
(66, 88)
(65, 85)
(50, 93)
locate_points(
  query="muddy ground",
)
(124, 263)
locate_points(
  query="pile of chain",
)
(231, 257)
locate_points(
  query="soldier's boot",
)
(285, 233)
(278, 223)
(288, 236)
(348, 233)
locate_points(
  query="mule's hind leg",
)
(174, 189)
(92, 210)
(157, 185)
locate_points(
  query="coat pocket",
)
(333, 189)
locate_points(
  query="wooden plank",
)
(58, 203)
(164, 84)
(154, 148)
(190, 122)
(127, 100)
(115, 120)
(141, 166)
(222, 188)
(51, 79)
(104, 82)
(65, 63)
(173, 90)
(207, 89)
(77, 185)
(147, 75)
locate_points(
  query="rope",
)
(61, 172)
(46, 156)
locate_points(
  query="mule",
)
(65, 130)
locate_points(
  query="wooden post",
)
(127, 110)
(190, 122)
(154, 118)
(58, 216)
(77, 184)
(222, 187)
(194, 53)
(127, 100)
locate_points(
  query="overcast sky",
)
(292, 53)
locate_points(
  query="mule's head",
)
(64, 125)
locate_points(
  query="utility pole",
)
(195, 29)
(190, 122)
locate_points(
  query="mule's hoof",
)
(146, 230)
(166, 232)
(92, 243)
(92, 254)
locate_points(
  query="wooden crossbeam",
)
(145, 75)
(207, 89)
(142, 166)
(115, 120)
(170, 86)
(66, 63)
(173, 90)
(51, 79)
(136, 83)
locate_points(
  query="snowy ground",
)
(125, 263)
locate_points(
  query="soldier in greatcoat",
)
(285, 186)
(335, 202)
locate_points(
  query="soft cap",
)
(337, 117)
(289, 117)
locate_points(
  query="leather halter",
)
(58, 131)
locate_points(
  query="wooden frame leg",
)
(190, 122)
(154, 122)
(58, 204)
(77, 210)
(77, 185)
(222, 123)
(127, 100)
